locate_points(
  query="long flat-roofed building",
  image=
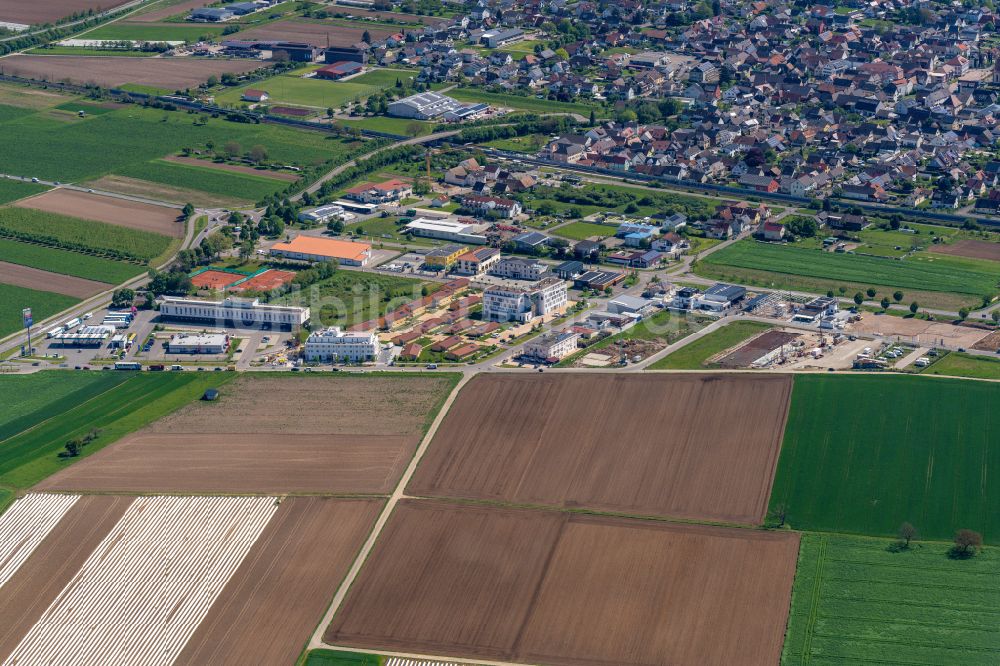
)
(452, 230)
(311, 248)
(233, 311)
(198, 343)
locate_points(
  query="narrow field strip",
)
(25, 525)
(148, 585)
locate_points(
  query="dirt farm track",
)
(700, 447)
(166, 73)
(539, 586)
(122, 212)
(49, 11)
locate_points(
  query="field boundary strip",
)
(25, 525)
(144, 590)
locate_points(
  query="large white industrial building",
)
(233, 312)
(430, 105)
(450, 230)
(333, 344)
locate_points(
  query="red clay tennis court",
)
(266, 281)
(215, 279)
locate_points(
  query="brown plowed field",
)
(970, 248)
(629, 592)
(33, 12)
(124, 213)
(274, 601)
(228, 463)
(33, 278)
(273, 434)
(43, 575)
(315, 32)
(688, 446)
(539, 586)
(166, 73)
(449, 580)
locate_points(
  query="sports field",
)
(43, 304)
(863, 454)
(860, 601)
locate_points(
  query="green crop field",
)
(67, 262)
(12, 190)
(864, 453)
(856, 601)
(342, 658)
(693, 356)
(246, 187)
(43, 304)
(90, 109)
(53, 49)
(64, 231)
(8, 112)
(162, 32)
(31, 455)
(957, 364)
(32, 399)
(944, 274)
(89, 148)
(584, 230)
(351, 297)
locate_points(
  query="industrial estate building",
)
(522, 304)
(432, 105)
(198, 343)
(333, 344)
(233, 312)
(453, 230)
(311, 248)
(444, 257)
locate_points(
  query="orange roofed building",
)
(311, 248)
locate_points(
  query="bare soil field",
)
(970, 248)
(166, 11)
(274, 601)
(33, 278)
(124, 213)
(273, 434)
(145, 188)
(990, 343)
(235, 168)
(920, 331)
(166, 73)
(53, 564)
(747, 353)
(538, 586)
(645, 593)
(315, 32)
(33, 12)
(446, 579)
(687, 446)
(242, 463)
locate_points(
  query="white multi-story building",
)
(233, 311)
(515, 268)
(552, 346)
(501, 303)
(333, 344)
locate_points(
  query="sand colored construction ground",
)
(690, 446)
(273, 434)
(970, 248)
(166, 73)
(34, 278)
(918, 331)
(538, 586)
(124, 213)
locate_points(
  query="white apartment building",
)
(233, 311)
(333, 344)
(515, 268)
(552, 346)
(522, 304)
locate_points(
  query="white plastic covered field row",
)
(400, 661)
(25, 525)
(148, 585)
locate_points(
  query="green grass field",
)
(341, 658)
(351, 297)
(295, 90)
(12, 190)
(8, 112)
(246, 187)
(385, 78)
(66, 262)
(936, 273)
(400, 126)
(864, 453)
(88, 148)
(34, 398)
(84, 51)
(693, 356)
(174, 32)
(100, 236)
(31, 455)
(584, 230)
(957, 364)
(856, 602)
(525, 103)
(43, 304)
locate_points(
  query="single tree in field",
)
(779, 513)
(897, 296)
(871, 292)
(859, 298)
(963, 313)
(914, 306)
(996, 316)
(258, 154)
(885, 303)
(907, 533)
(967, 542)
(188, 210)
(232, 149)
